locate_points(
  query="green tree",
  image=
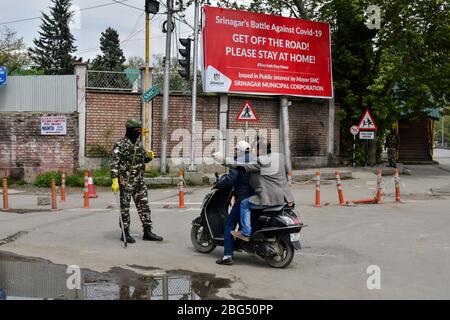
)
(176, 82)
(55, 45)
(112, 58)
(135, 62)
(12, 51)
(400, 69)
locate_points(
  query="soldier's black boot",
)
(129, 238)
(149, 235)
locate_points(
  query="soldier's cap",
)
(134, 123)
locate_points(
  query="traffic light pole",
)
(194, 85)
(165, 110)
(147, 105)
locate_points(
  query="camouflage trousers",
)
(140, 197)
(392, 156)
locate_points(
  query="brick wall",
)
(308, 121)
(106, 115)
(25, 153)
(268, 119)
(180, 116)
(308, 125)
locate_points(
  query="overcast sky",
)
(129, 22)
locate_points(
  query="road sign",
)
(3, 75)
(247, 113)
(151, 93)
(367, 123)
(53, 126)
(354, 130)
(367, 135)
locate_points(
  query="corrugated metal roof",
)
(39, 94)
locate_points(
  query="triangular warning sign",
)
(367, 123)
(247, 113)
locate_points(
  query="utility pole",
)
(147, 105)
(165, 110)
(194, 85)
(151, 6)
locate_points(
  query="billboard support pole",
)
(165, 110)
(284, 103)
(194, 86)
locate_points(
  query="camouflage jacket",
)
(122, 164)
(392, 141)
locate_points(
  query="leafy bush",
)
(76, 179)
(44, 180)
(154, 172)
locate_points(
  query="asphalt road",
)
(409, 242)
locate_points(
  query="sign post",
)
(3, 75)
(254, 53)
(367, 128)
(354, 131)
(150, 94)
(247, 114)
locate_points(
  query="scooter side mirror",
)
(217, 176)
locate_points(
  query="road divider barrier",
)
(397, 185)
(317, 179)
(340, 189)
(63, 186)
(181, 185)
(53, 194)
(86, 190)
(5, 194)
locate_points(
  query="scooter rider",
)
(239, 180)
(268, 176)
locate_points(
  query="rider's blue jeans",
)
(239, 210)
(246, 226)
(230, 225)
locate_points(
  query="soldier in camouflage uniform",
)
(392, 143)
(128, 161)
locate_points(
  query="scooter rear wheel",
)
(201, 240)
(285, 258)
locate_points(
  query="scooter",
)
(275, 231)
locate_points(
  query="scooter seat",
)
(272, 209)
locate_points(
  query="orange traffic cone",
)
(91, 187)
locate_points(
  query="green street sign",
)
(148, 95)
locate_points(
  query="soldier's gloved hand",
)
(151, 154)
(115, 185)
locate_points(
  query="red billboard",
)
(258, 53)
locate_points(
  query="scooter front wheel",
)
(201, 240)
(284, 256)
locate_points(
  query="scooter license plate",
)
(295, 237)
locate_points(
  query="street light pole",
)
(165, 110)
(194, 85)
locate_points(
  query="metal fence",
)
(39, 94)
(129, 80)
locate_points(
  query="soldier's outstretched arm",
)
(114, 162)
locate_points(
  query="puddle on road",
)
(35, 278)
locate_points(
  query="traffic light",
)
(186, 62)
(151, 6)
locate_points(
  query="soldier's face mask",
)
(133, 134)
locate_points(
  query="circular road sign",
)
(354, 130)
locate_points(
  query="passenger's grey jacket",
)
(268, 179)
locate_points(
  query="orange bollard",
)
(5, 194)
(317, 178)
(397, 185)
(379, 181)
(289, 177)
(63, 186)
(86, 190)
(54, 205)
(339, 188)
(181, 188)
